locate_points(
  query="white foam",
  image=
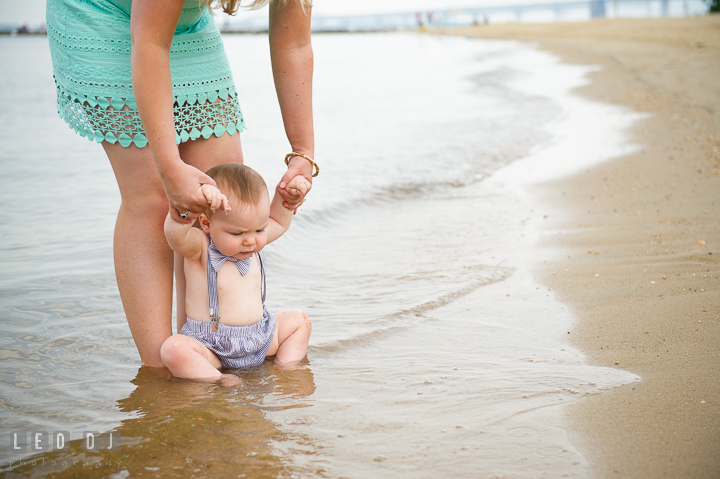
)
(587, 133)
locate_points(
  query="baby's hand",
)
(298, 186)
(215, 198)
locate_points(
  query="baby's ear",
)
(204, 221)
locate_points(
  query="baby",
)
(227, 323)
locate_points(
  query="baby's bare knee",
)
(173, 350)
(303, 320)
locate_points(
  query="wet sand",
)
(635, 246)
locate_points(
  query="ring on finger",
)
(185, 215)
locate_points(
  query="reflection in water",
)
(185, 428)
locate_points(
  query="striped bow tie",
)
(217, 259)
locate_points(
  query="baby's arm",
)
(281, 217)
(189, 241)
(183, 238)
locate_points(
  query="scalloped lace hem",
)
(116, 120)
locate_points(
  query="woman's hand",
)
(296, 182)
(182, 187)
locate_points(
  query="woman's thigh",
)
(136, 175)
(204, 154)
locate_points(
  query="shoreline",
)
(647, 297)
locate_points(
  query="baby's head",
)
(241, 231)
(241, 184)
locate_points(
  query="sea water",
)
(436, 350)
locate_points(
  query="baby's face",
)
(242, 231)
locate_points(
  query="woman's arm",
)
(152, 26)
(292, 63)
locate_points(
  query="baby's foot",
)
(230, 380)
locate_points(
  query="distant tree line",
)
(714, 5)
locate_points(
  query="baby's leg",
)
(291, 338)
(187, 357)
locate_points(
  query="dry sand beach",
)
(639, 242)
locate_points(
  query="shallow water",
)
(434, 351)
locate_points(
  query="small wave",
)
(341, 345)
(381, 196)
(399, 321)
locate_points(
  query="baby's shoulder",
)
(203, 243)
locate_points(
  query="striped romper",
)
(235, 346)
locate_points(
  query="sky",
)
(32, 12)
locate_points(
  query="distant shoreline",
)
(18, 34)
(226, 32)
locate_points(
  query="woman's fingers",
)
(207, 180)
(291, 201)
(184, 189)
(190, 208)
(293, 205)
(176, 216)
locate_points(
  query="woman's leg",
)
(181, 315)
(203, 154)
(143, 259)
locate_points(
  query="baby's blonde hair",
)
(232, 6)
(240, 181)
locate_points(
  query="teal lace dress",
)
(90, 47)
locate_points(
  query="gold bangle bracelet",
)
(295, 153)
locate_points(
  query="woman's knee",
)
(150, 205)
(141, 188)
